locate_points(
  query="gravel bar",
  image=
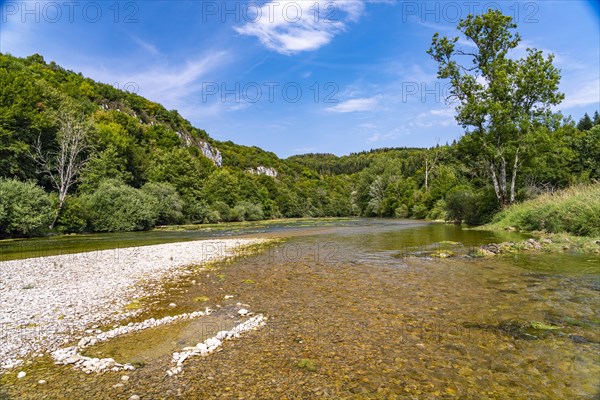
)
(46, 301)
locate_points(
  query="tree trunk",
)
(499, 182)
(426, 175)
(514, 177)
(495, 182)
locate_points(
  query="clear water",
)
(373, 314)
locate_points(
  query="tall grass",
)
(575, 210)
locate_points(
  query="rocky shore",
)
(48, 301)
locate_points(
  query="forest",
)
(82, 156)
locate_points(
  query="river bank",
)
(47, 301)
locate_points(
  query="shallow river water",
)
(360, 309)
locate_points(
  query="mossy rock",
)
(442, 254)
(307, 364)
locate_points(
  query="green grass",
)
(575, 210)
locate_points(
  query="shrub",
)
(419, 211)
(225, 213)
(25, 209)
(116, 207)
(169, 203)
(245, 211)
(71, 218)
(438, 211)
(401, 211)
(194, 210)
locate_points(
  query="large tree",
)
(64, 165)
(500, 100)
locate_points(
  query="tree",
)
(585, 123)
(25, 208)
(64, 165)
(596, 118)
(500, 100)
(116, 207)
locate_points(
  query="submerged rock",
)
(490, 248)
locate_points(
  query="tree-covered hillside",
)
(77, 155)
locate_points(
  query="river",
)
(355, 308)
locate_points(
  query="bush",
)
(194, 210)
(245, 211)
(473, 208)
(71, 218)
(116, 207)
(419, 211)
(401, 211)
(225, 213)
(169, 203)
(25, 209)
(438, 211)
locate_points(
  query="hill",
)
(78, 155)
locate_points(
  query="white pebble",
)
(21, 374)
(125, 378)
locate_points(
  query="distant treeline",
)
(81, 156)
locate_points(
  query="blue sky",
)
(295, 77)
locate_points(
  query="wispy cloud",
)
(146, 46)
(164, 83)
(290, 27)
(583, 95)
(355, 105)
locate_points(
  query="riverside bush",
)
(25, 209)
(169, 203)
(116, 207)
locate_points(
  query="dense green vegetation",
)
(77, 155)
(575, 210)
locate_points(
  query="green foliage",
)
(136, 143)
(501, 100)
(169, 204)
(246, 211)
(470, 207)
(223, 210)
(116, 207)
(25, 209)
(71, 218)
(585, 123)
(575, 210)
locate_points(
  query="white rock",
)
(212, 343)
(222, 335)
(21, 374)
(172, 305)
(243, 312)
(124, 378)
(134, 397)
(42, 382)
(202, 347)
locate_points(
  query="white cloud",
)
(165, 84)
(355, 105)
(583, 95)
(436, 117)
(146, 46)
(290, 27)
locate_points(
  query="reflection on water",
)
(347, 318)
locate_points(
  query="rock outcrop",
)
(261, 170)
